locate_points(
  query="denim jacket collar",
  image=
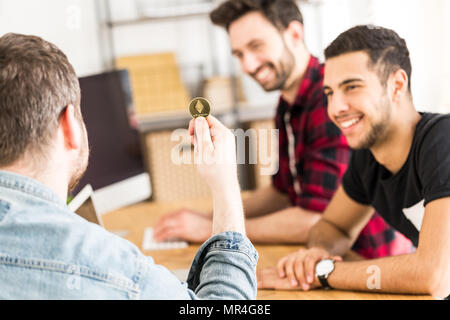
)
(30, 186)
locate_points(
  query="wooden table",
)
(136, 218)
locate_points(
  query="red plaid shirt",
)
(313, 156)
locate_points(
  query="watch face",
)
(324, 267)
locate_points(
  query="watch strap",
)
(324, 282)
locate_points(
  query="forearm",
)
(228, 213)
(290, 225)
(398, 274)
(263, 201)
(327, 236)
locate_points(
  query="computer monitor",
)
(116, 171)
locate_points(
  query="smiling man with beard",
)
(267, 37)
(400, 167)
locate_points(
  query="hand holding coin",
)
(215, 157)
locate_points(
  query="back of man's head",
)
(279, 12)
(37, 82)
(386, 49)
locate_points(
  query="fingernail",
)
(293, 283)
(305, 287)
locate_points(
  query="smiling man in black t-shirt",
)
(400, 167)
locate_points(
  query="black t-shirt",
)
(401, 198)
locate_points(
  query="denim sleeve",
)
(224, 268)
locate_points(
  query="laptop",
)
(83, 205)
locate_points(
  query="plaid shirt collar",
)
(310, 79)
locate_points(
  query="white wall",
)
(424, 26)
(426, 29)
(70, 24)
(445, 92)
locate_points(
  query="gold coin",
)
(199, 107)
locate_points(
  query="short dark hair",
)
(386, 49)
(36, 83)
(279, 12)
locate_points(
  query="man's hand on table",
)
(294, 271)
(268, 278)
(183, 224)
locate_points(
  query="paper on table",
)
(149, 242)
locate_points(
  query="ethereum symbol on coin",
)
(199, 107)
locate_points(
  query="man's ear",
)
(295, 32)
(70, 127)
(398, 82)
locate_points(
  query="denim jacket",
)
(49, 252)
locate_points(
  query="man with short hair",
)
(268, 39)
(49, 252)
(400, 167)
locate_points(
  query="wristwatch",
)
(323, 269)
